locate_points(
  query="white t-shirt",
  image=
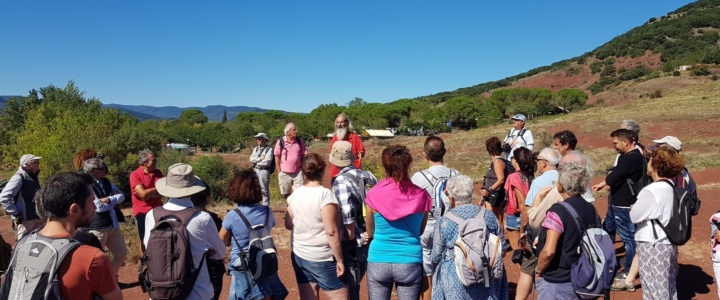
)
(655, 201)
(515, 141)
(309, 240)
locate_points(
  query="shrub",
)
(714, 77)
(700, 71)
(676, 73)
(214, 172)
(596, 67)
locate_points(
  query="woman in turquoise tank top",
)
(397, 211)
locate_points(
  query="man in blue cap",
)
(517, 137)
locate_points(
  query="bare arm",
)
(350, 231)
(145, 194)
(114, 295)
(369, 222)
(548, 251)
(541, 195)
(225, 236)
(523, 208)
(499, 169)
(329, 214)
(288, 220)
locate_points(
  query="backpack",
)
(679, 228)
(594, 272)
(5, 255)
(519, 135)
(282, 145)
(478, 253)
(691, 188)
(440, 200)
(167, 269)
(637, 186)
(271, 167)
(261, 259)
(34, 267)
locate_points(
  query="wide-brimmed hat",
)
(262, 135)
(25, 159)
(341, 154)
(180, 182)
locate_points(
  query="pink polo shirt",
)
(291, 155)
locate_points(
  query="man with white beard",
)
(343, 132)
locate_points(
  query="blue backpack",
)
(594, 272)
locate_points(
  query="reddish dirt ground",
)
(695, 279)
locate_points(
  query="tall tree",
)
(193, 116)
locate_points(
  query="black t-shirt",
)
(629, 166)
(566, 252)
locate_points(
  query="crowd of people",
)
(404, 232)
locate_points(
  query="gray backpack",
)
(34, 266)
(478, 253)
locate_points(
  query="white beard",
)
(341, 132)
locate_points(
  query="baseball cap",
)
(262, 135)
(25, 159)
(341, 154)
(520, 117)
(670, 141)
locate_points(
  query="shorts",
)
(426, 241)
(321, 272)
(528, 264)
(512, 222)
(288, 182)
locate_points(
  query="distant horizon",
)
(295, 56)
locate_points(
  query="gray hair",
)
(144, 156)
(461, 189)
(287, 127)
(574, 173)
(551, 155)
(349, 126)
(631, 125)
(92, 164)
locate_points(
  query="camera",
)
(517, 256)
(506, 147)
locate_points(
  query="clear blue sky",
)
(295, 55)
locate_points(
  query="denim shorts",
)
(512, 222)
(321, 272)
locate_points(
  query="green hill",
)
(686, 36)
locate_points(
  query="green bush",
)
(215, 172)
(676, 73)
(700, 71)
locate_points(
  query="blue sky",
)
(295, 55)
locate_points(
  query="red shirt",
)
(357, 147)
(148, 180)
(86, 271)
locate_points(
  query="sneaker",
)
(621, 276)
(620, 285)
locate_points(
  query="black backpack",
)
(167, 269)
(679, 228)
(645, 180)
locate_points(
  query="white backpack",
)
(478, 253)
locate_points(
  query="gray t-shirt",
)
(427, 182)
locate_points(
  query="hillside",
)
(213, 112)
(689, 35)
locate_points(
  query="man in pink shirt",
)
(144, 194)
(343, 132)
(289, 153)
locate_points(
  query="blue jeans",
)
(617, 219)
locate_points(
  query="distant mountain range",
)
(145, 112)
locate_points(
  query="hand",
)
(18, 219)
(717, 236)
(340, 269)
(544, 191)
(538, 275)
(484, 192)
(366, 238)
(105, 200)
(598, 187)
